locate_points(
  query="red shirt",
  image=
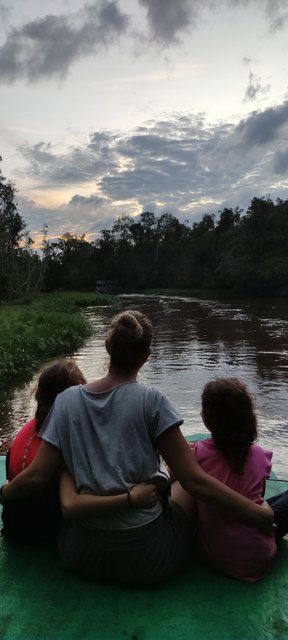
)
(23, 448)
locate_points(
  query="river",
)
(195, 340)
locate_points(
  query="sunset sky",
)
(177, 106)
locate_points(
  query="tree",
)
(12, 224)
(67, 263)
(12, 228)
(228, 220)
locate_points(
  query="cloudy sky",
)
(112, 107)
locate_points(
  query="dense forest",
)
(233, 251)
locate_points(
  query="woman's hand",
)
(143, 495)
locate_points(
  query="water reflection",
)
(196, 340)
(17, 404)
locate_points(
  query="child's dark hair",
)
(228, 412)
(129, 339)
(53, 379)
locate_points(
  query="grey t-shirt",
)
(108, 441)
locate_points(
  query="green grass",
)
(50, 326)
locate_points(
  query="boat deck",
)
(40, 601)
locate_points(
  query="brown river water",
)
(195, 340)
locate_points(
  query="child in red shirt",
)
(37, 518)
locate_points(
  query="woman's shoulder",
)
(149, 390)
(65, 400)
(70, 392)
(154, 396)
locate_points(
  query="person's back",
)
(37, 518)
(23, 449)
(108, 432)
(229, 545)
(231, 456)
(109, 439)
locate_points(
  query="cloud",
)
(79, 164)
(90, 202)
(247, 61)
(48, 47)
(167, 18)
(4, 12)
(183, 164)
(263, 127)
(275, 11)
(280, 162)
(66, 218)
(254, 88)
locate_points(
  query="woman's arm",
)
(181, 459)
(83, 505)
(42, 469)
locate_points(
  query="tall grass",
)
(50, 326)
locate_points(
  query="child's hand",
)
(266, 524)
(143, 495)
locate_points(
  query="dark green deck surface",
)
(38, 600)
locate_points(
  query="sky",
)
(118, 107)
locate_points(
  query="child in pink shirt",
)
(231, 455)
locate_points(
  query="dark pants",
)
(279, 504)
(146, 555)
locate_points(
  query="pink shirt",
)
(232, 547)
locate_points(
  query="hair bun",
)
(129, 339)
(129, 322)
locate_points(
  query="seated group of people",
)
(104, 469)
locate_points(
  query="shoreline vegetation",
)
(50, 326)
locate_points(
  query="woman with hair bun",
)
(113, 434)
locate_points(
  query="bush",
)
(51, 326)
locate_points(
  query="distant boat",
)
(108, 286)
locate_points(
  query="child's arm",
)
(83, 505)
(43, 468)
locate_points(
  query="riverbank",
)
(189, 293)
(50, 326)
(215, 294)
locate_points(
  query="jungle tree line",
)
(234, 251)
(21, 270)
